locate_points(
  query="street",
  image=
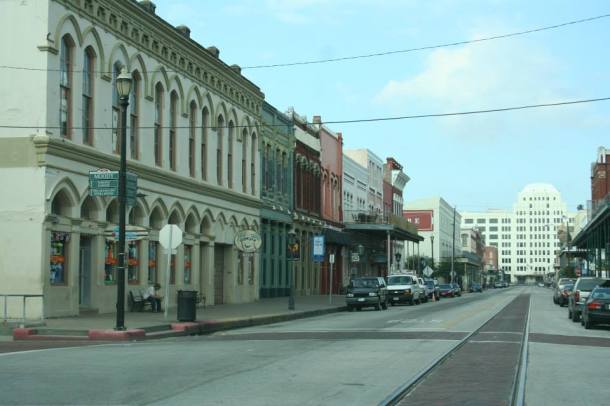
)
(342, 358)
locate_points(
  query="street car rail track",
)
(515, 395)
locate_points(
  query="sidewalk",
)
(147, 325)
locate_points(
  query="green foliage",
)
(567, 272)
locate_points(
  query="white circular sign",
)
(248, 241)
(170, 236)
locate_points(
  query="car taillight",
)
(576, 296)
(594, 306)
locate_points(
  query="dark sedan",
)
(597, 307)
(562, 298)
(446, 290)
(475, 287)
(457, 289)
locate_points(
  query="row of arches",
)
(65, 201)
(104, 63)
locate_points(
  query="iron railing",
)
(378, 217)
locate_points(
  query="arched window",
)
(116, 116)
(205, 123)
(278, 171)
(285, 175)
(134, 116)
(192, 127)
(244, 157)
(230, 155)
(158, 124)
(253, 148)
(220, 133)
(65, 87)
(173, 108)
(88, 82)
(268, 165)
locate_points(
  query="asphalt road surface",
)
(357, 358)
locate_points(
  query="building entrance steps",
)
(148, 325)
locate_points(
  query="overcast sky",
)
(475, 162)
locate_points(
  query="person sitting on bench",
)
(153, 295)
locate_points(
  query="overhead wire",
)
(350, 121)
(363, 56)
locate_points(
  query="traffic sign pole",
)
(167, 271)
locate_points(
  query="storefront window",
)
(240, 269)
(172, 270)
(187, 264)
(110, 263)
(133, 261)
(59, 255)
(251, 272)
(152, 261)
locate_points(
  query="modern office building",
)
(526, 236)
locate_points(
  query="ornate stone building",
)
(193, 127)
(277, 149)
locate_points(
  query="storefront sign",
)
(132, 233)
(248, 241)
(355, 257)
(318, 248)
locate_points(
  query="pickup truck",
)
(404, 289)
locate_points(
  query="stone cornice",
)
(151, 34)
(45, 145)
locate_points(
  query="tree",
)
(568, 272)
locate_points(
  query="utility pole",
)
(453, 247)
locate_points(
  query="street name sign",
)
(104, 182)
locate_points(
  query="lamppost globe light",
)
(123, 83)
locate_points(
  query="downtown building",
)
(193, 126)
(439, 224)
(527, 237)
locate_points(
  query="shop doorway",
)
(219, 268)
(84, 272)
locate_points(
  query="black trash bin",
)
(187, 305)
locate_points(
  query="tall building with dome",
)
(526, 237)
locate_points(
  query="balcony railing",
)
(378, 217)
(597, 206)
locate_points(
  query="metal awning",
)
(337, 237)
(381, 231)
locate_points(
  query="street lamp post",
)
(123, 88)
(432, 250)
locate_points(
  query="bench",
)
(136, 302)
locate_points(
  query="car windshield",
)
(429, 283)
(365, 283)
(568, 287)
(400, 280)
(444, 286)
(601, 293)
(589, 284)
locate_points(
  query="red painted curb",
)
(185, 326)
(114, 335)
(23, 333)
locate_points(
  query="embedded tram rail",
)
(487, 367)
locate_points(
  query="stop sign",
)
(170, 236)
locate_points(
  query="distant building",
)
(374, 166)
(526, 237)
(435, 220)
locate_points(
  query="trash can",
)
(187, 305)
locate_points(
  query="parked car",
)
(565, 293)
(404, 289)
(366, 291)
(498, 285)
(597, 307)
(580, 293)
(446, 290)
(428, 291)
(561, 284)
(475, 287)
(457, 289)
(433, 285)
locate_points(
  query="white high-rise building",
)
(526, 237)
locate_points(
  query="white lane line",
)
(495, 341)
(4, 354)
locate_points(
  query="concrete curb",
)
(175, 329)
